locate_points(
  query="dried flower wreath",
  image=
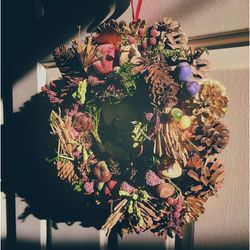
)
(137, 125)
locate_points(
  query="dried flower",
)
(83, 122)
(89, 187)
(152, 179)
(149, 116)
(126, 187)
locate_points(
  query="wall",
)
(225, 222)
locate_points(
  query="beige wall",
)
(225, 222)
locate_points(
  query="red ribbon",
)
(135, 16)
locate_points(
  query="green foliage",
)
(78, 186)
(130, 79)
(79, 95)
(138, 133)
(132, 208)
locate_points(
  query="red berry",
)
(152, 41)
(131, 40)
(154, 33)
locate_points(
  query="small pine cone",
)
(66, 171)
(210, 138)
(171, 33)
(207, 175)
(199, 62)
(193, 208)
(69, 64)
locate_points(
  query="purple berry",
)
(184, 71)
(154, 33)
(192, 88)
(131, 40)
(152, 41)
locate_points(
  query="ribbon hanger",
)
(135, 16)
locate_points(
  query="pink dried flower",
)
(126, 187)
(131, 40)
(73, 111)
(152, 179)
(152, 41)
(77, 154)
(142, 32)
(149, 116)
(154, 33)
(89, 187)
(93, 80)
(144, 44)
(74, 132)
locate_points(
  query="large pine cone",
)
(210, 138)
(163, 89)
(210, 103)
(207, 176)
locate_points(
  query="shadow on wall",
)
(29, 36)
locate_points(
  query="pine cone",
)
(66, 171)
(199, 62)
(210, 103)
(124, 29)
(163, 89)
(210, 138)
(171, 33)
(69, 64)
(207, 175)
(193, 208)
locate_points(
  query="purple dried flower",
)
(152, 179)
(158, 121)
(73, 111)
(149, 116)
(126, 187)
(89, 187)
(93, 80)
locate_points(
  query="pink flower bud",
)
(152, 41)
(154, 33)
(131, 40)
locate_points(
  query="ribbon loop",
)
(135, 16)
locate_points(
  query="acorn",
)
(102, 172)
(165, 190)
(172, 172)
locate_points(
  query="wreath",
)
(137, 125)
